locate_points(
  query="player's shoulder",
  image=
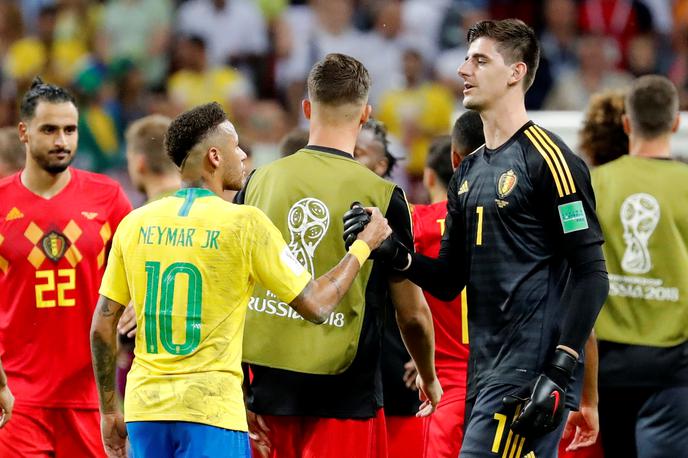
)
(9, 182)
(10, 191)
(96, 182)
(546, 151)
(547, 146)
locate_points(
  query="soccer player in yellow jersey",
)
(188, 263)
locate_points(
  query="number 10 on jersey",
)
(158, 313)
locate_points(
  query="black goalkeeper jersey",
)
(517, 212)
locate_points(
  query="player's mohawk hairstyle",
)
(42, 92)
(190, 128)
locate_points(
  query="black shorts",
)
(488, 432)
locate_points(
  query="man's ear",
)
(455, 159)
(677, 121)
(23, 132)
(518, 72)
(214, 158)
(626, 121)
(139, 162)
(366, 114)
(307, 108)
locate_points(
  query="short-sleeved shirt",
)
(518, 212)
(189, 263)
(52, 258)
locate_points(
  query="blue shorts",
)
(179, 439)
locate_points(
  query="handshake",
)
(390, 251)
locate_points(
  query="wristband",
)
(360, 250)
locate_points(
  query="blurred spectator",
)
(602, 137)
(196, 82)
(78, 20)
(618, 19)
(417, 112)
(132, 97)
(12, 152)
(230, 28)
(383, 49)
(11, 26)
(55, 59)
(292, 142)
(139, 30)
(100, 128)
(596, 73)
(559, 36)
(262, 124)
(421, 21)
(642, 55)
(323, 27)
(660, 12)
(678, 70)
(525, 11)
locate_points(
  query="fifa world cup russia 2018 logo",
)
(308, 221)
(639, 216)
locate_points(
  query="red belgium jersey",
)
(52, 257)
(449, 318)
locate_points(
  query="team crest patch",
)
(507, 182)
(54, 245)
(572, 217)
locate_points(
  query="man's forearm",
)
(415, 323)
(104, 351)
(588, 288)
(590, 396)
(322, 295)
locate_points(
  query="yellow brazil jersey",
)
(189, 263)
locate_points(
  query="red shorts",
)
(312, 437)
(56, 433)
(405, 436)
(444, 429)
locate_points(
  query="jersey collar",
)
(327, 149)
(196, 192)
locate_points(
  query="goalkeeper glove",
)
(391, 251)
(543, 402)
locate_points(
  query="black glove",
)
(543, 402)
(355, 221)
(391, 251)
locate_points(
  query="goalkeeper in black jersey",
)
(523, 238)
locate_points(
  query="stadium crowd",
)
(138, 68)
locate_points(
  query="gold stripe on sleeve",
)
(561, 156)
(548, 161)
(553, 156)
